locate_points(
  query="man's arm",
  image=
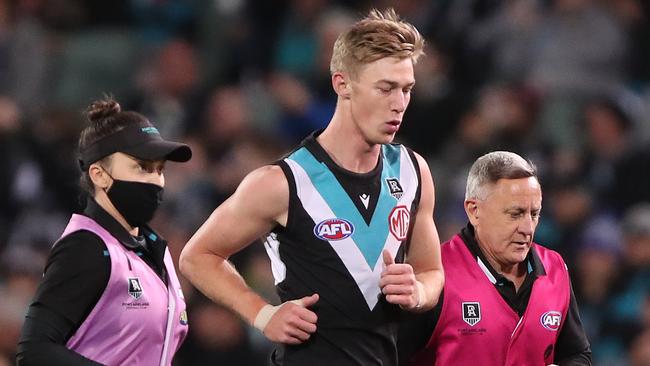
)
(572, 348)
(260, 202)
(416, 285)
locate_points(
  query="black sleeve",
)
(75, 276)
(572, 348)
(415, 331)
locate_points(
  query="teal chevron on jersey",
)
(370, 239)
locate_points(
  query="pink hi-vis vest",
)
(138, 320)
(476, 325)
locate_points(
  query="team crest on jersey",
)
(551, 320)
(334, 229)
(394, 188)
(472, 313)
(398, 222)
(135, 290)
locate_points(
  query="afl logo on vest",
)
(551, 320)
(334, 229)
(398, 222)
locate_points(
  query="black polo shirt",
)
(572, 346)
(75, 276)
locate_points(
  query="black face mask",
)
(136, 201)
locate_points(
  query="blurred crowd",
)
(565, 83)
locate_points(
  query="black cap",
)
(141, 141)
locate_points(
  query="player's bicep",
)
(424, 249)
(254, 209)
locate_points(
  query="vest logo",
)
(135, 290)
(183, 318)
(551, 320)
(334, 229)
(398, 222)
(150, 130)
(394, 188)
(472, 313)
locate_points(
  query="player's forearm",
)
(432, 282)
(217, 279)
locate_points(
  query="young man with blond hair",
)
(348, 218)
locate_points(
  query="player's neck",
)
(347, 147)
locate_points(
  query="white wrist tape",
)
(266, 313)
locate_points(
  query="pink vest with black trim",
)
(477, 326)
(138, 320)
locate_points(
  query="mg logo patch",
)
(471, 312)
(394, 188)
(333, 229)
(135, 290)
(398, 222)
(551, 320)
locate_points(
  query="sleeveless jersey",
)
(138, 320)
(475, 317)
(338, 224)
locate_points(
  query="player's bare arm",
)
(416, 285)
(259, 204)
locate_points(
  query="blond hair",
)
(378, 35)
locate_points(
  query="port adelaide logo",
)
(551, 320)
(394, 188)
(333, 229)
(135, 290)
(472, 313)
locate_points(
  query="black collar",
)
(108, 222)
(322, 156)
(534, 263)
(155, 243)
(154, 251)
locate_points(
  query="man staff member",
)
(506, 299)
(339, 210)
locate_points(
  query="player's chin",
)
(385, 138)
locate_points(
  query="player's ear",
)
(341, 84)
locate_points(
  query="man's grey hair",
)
(491, 167)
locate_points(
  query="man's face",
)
(379, 96)
(506, 219)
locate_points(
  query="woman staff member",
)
(109, 293)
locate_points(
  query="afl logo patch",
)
(333, 229)
(135, 290)
(398, 222)
(551, 320)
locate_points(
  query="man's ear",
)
(472, 211)
(341, 84)
(99, 176)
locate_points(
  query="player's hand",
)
(399, 284)
(291, 322)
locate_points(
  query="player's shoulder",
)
(266, 180)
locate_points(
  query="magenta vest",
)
(476, 325)
(138, 320)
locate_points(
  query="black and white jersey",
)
(339, 222)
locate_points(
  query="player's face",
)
(506, 219)
(380, 94)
